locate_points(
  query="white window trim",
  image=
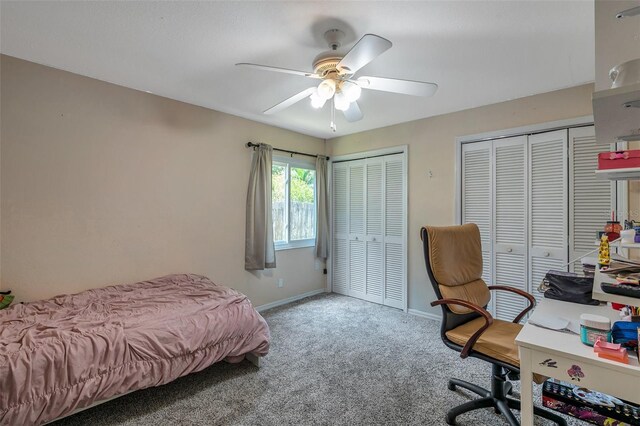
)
(305, 164)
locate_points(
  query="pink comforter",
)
(70, 351)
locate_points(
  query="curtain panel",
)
(259, 251)
(322, 209)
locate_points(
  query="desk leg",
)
(526, 388)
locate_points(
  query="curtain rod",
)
(255, 145)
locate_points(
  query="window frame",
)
(290, 162)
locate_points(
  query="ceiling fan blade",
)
(369, 47)
(395, 85)
(276, 69)
(290, 101)
(353, 113)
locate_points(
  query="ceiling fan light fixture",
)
(340, 101)
(317, 101)
(351, 90)
(326, 89)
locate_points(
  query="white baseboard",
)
(289, 300)
(423, 314)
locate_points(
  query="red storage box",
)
(619, 159)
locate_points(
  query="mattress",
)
(65, 353)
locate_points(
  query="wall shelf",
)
(621, 245)
(619, 174)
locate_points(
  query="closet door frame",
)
(400, 149)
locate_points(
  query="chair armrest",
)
(530, 298)
(488, 320)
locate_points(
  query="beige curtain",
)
(322, 209)
(259, 250)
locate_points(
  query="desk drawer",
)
(587, 375)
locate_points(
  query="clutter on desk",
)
(604, 252)
(590, 406)
(626, 334)
(611, 351)
(568, 287)
(589, 266)
(593, 328)
(552, 323)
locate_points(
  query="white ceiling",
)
(479, 52)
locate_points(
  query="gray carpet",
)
(334, 360)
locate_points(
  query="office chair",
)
(453, 257)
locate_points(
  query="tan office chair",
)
(453, 257)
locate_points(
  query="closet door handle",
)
(547, 254)
(374, 238)
(509, 250)
(356, 238)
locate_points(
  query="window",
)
(293, 186)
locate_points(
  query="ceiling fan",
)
(338, 84)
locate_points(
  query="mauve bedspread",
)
(70, 351)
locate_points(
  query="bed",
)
(61, 355)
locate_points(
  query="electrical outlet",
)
(280, 282)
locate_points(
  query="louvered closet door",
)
(374, 230)
(357, 242)
(340, 216)
(510, 224)
(547, 206)
(590, 199)
(395, 224)
(476, 196)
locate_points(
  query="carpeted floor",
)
(334, 360)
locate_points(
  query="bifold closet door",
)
(590, 199)
(340, 225)
(548, 203)
(395, 252)
(357, 242)
(477, 196)
(374, 172)
(510, 225)
(368, 257)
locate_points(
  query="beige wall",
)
(101, 184)
(431, 144)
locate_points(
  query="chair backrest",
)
(453, 257)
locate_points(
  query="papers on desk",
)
(554, 323)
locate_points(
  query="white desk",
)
(538, 344)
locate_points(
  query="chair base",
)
(496, 398)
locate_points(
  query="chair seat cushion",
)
(497, 341)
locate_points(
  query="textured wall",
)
(431, 144)
(101, 185)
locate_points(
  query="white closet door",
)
(510, 224)
(357, 243)
(395, 225)
(374, 230)
(590, 199)
(547, 206)
(476, 196)
(340, 216)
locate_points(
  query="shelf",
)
(598, 294)
(621, 245)
(619, 174)
(613, 121)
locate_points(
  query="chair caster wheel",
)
(451, 387)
